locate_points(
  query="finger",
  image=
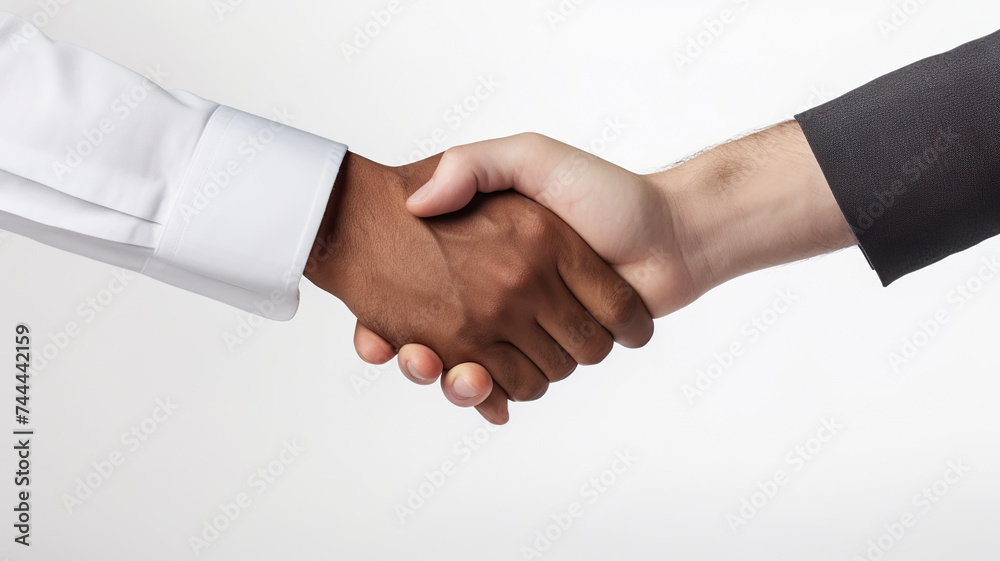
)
(572, 327)
(549, 356)
(605, 295)
(467, 385)
(420, 364)
(370, 347)
(522, 162)
(511, 370)
(495, 407)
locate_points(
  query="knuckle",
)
(532, 140)
(592, 343)
(512, 277)
(534, 223)
(564, 369)
(529, 389)
(454, 156)
(521, 381)
(558, 363)
(597, 349)
(620, 307)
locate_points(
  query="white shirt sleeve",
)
(100, 161)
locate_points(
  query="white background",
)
(367, 447)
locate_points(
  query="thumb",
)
(447, 191)
(493, 165)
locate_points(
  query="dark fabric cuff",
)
(913, 158)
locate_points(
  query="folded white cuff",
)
(247, 214)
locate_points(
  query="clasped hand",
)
(502, 284)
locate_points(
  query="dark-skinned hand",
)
(504, 283)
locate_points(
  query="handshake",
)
(504, 293)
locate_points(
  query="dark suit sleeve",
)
(913, 157)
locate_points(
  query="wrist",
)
(334, 252)
(751, 204)
(325, 245)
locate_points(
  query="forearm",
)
(751, 204)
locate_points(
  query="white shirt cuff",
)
(247, 214)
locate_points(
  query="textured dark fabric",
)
(913, 157)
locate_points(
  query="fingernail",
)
(410, 371)
(464, 389)
(422, 193)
